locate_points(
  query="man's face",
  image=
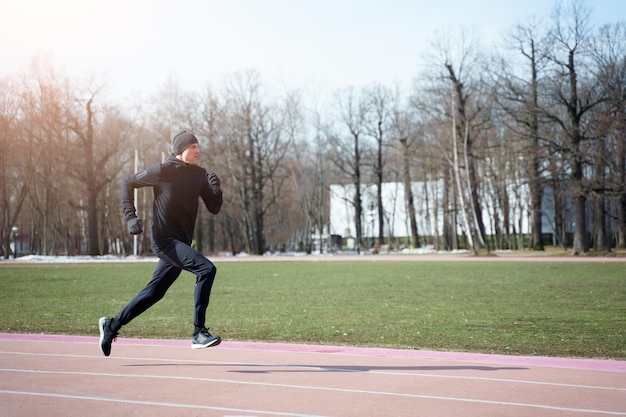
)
(191, 154)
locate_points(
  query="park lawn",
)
(565, 309)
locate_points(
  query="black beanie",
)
(182, 141)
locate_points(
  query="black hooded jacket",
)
(177, 186)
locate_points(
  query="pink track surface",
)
(57, 375)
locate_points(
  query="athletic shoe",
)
(106, 335)
(204, 339)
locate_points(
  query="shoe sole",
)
(101, 327)
(210, 344)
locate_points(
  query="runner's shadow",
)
(286, 368)
(353, 368)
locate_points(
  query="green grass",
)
(544, 308)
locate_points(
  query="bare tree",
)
(96, 151)
(458, 62)
(377, 125)
(519, 98)
(609, 53)
(115, 135)
(43, 92)
(209, 109)
(256, 145)
(431, 104)
(570, 36)
(15, 168)
(301, 215)
(318, 206)
(404, 129)
(346, 148)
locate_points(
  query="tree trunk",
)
(449, 212)
(535, 185)
(408, 192)
(581, 240)
(601, 240)
(621, 176)
(259, 233)
(93, 247)
(379, 179)
(474, 225)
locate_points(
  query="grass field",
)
(523, 308)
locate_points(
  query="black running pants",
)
(177, 256)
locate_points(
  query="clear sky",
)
(137, 45)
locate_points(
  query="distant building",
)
(429, 210)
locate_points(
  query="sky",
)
(135, 46)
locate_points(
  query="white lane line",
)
(312, 387)
(154, 403)
(329, 369)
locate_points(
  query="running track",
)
(55, 375)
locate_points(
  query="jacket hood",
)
(172, 160)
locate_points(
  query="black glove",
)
(214, 182)
(135, 226)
